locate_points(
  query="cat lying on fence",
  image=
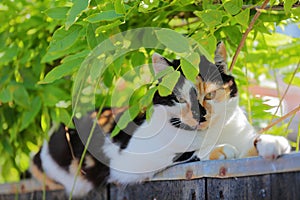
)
(196, 122)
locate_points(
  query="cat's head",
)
(182, 105)
(217, 90)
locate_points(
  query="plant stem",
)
(241, 45)
(280, 119)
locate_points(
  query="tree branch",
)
(241, 45)
(280, 119)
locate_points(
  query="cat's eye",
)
(210, 96)
(181, 100)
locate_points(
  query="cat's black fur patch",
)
(176, 122)
(37, 161)
(185, 157)
(210, 72)
(197, 109)
(124, 136)
(61, 153)
(59, 149)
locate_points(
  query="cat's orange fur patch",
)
(47, 182)
(217, 153)
(252, 152)
(187, 116)
(108, 117)
(89, 161)
(221, 50)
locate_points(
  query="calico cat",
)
(237, 138)
(138, 152)
(196, 122)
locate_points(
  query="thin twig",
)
(280, 119)
(286, 90)
(269, 8)
(241, 45)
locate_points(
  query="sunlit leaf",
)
(190, 66)
(168, 83)
(173, 40)
(63, 39)
(75, 11)
(62, 70)
(243, 17)
(57, 12)
(233, 6)
(119, 6)
(126, 117)
(210, 17)
(109, 15)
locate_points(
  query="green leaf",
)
(233, 6)
(76, 47)
(8, 54)
(209, 42)
(63, 39)
(119, 6)
(168, 83)
(173, 40)
(63, 116)
(45, 120)
(243, 17)
(67, 68)
(108, 26)
(233, 33)
(149, 112)
(147, 5)
(29, 116)
(211, 18)
(6, 95)
(288, 4)
(146, 100)
(21, 96)
(189, 66)
(53, 95)
(92, 39)
(109, 15)
(76, 10)
(126, 117)
(138, 59)
(164, 72)
(58, 13)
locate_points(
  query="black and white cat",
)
(197, 121)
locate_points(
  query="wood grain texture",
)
(160, 190)
(254, 187)
(286, 186)
(250, 178)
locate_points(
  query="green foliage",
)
(44, 43)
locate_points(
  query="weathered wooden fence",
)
(250, 178)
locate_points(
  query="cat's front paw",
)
(223, 151)
(270, 147)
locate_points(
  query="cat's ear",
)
(159, 63)
(220, 57)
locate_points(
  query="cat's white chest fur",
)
(152, 148)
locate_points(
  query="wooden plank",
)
(160, 190)
(231, 168)
(32, 189)
(254, 187)
(36, 195)
(286, 186)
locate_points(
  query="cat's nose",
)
(202, 119)
(199, 113)
(202, 113)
